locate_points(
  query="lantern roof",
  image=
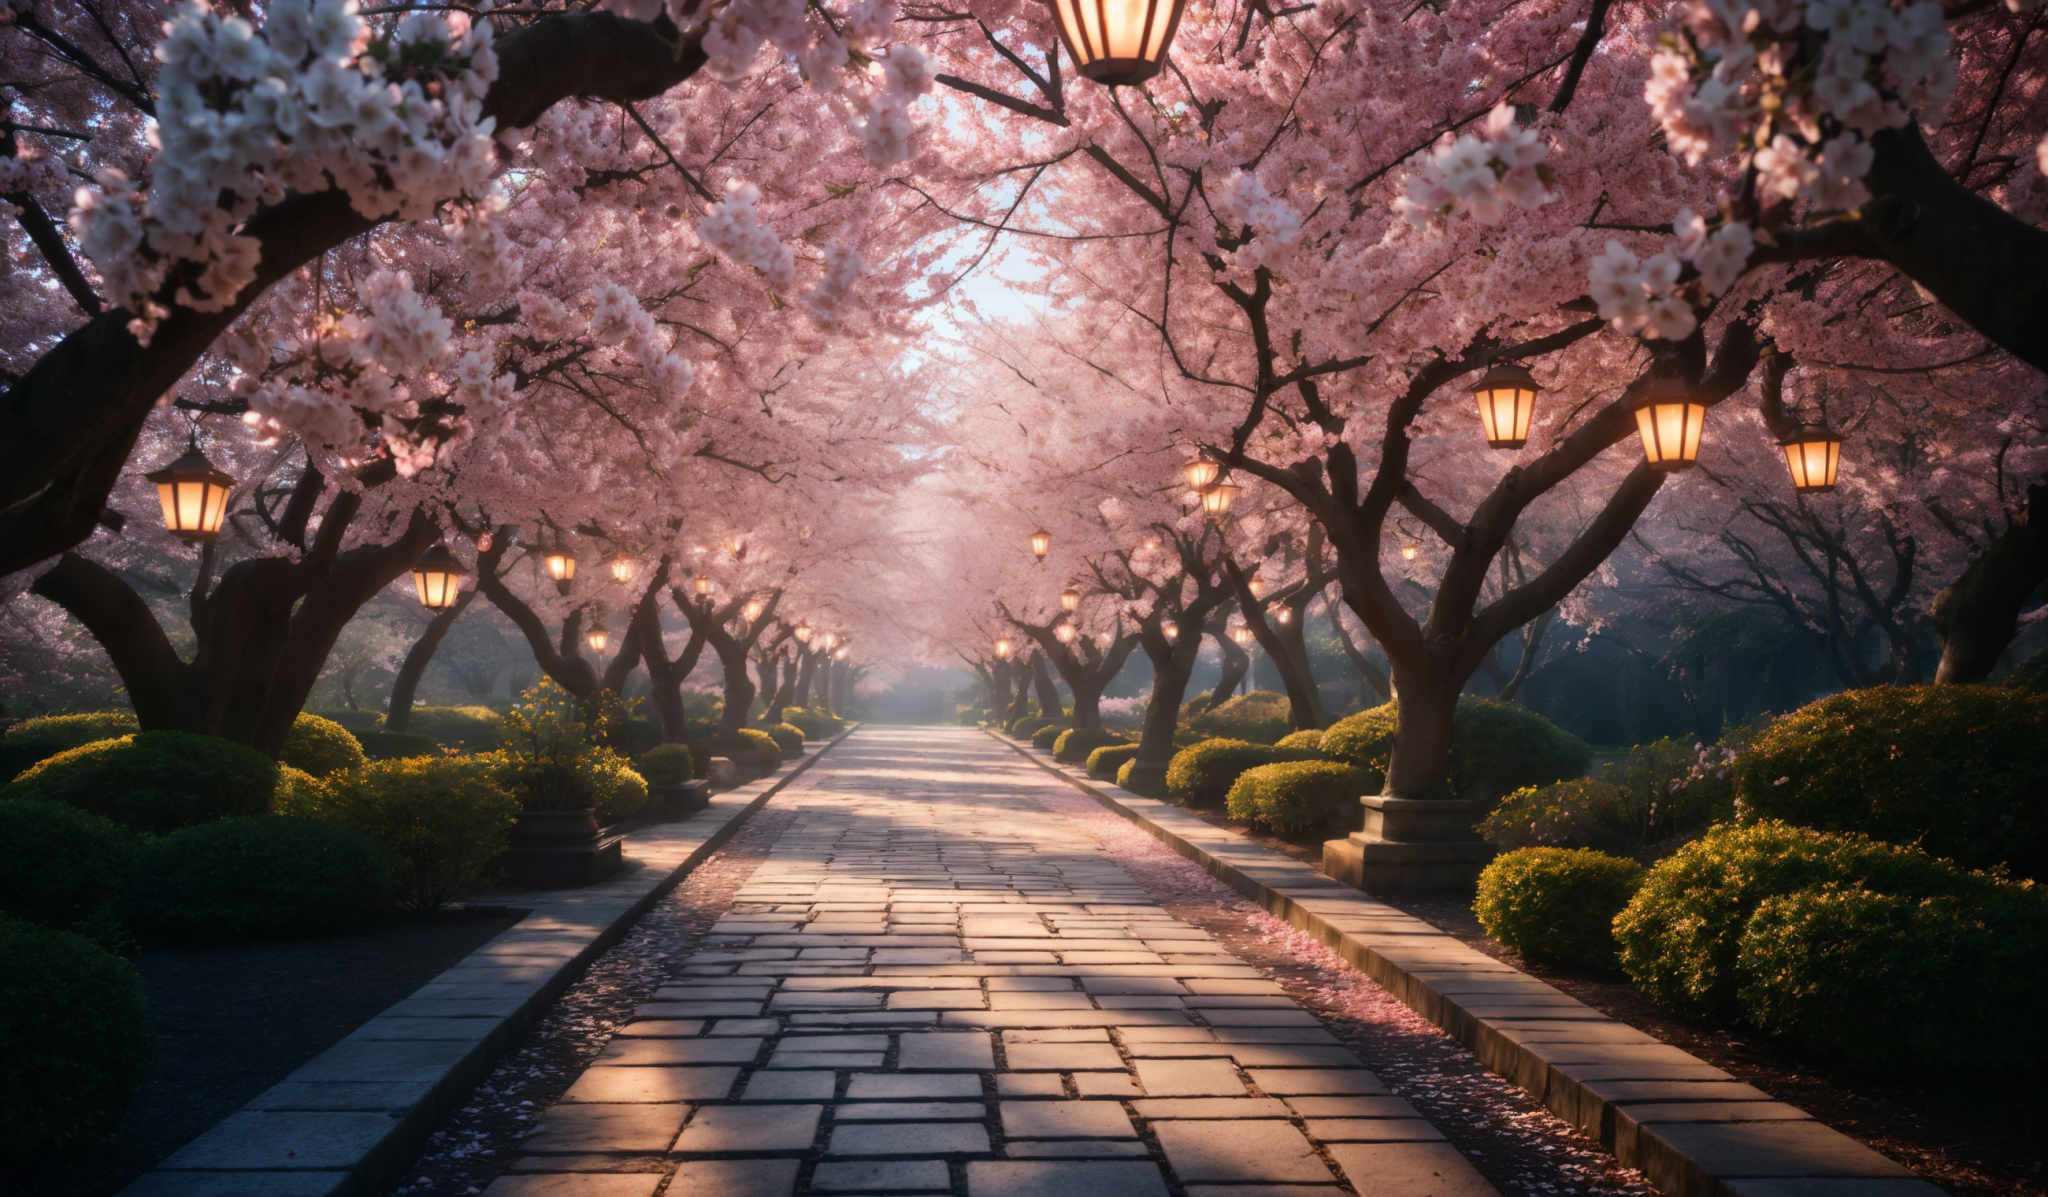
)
(1507, 374)
(439, 560)
(191, 466)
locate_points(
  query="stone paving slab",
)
(924, 1060)
(347, 1120)
(1688, 1126)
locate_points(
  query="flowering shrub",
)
(1579, 812)
(1556, 904)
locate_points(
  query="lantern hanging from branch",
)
(1070, 600)
(1041, 543)
(703, 586)
(1216, 499)
(1410, 550)
(194, 495)
(1064, 633)
(752, 611)
(802, 631)
(1118, 42)
(1507, 404)
(438, 577)
(841, 654)
(559, 562)
(1004, 647)
(1201, 472)
(1671, 420)
(737, 546)
(1284, 616)
(484, 541)
(1242, 633)
(1812, 453)
(1170, 630)
(623, 568)
(598, 639)
(1257, 586)
(829, 641)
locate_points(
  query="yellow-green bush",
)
(155, 781)
(667, 764)
(74, 1039)
(39, 739)
(620, 789)
(1297, 798)
(1957, 770)
(1310, 739)
(1496, 747)
(757, 751)
(464, 728)
(441, 818)
(1072, 746)
(1201, 775)
(1556, 904)
(321, 746)
(789, 738)
(1107, 761)
(1048, 734)
(1579, 812)
(1260, 716)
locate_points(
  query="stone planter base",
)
(723, 772)
(677, 801)
(559, 849)
(1410, 844)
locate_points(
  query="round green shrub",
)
(1260, 716)
(1310, 740)
(441, 818)
(667, 764)
(620, 789)
(1107, 761)
(1048, 735)
(1556, 904)
(397, 746)
(155, 781)
(1681, 933)
(1889, 984)
(756, 751)
(1073, 746)
(74, 1039)
(297, 792)
(1956, 770)
(1127, 778)
(1024, 725)
(64, 867)
(41, 738)
(789, 738)
(1201, 775)
(1580, 812)
(321, 746)
(1297, 798)
(1496, 747)
(464, 728)
(261, 876)
(816, 724)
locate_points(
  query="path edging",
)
(342, 1127)
(1691, 1128)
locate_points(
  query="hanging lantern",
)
(802, 631)
(1064, 633)
(598, 639)
(752, 611)
(1241, 633)
(1671, 420)
(484, 541)
(841, 654)
(623, 568)
(1041, 544)
(1201, 472)
(560, 563)
(1216, 499)
(1004, 647)
(1507, 403)
(194, 495)
(1812, 453)
(1117, 42)
(438, 577)
(703, 586)
(1410, 551)
(1284, 616)
(1257, 586)
(830, 641)
(737, 546)
(1070, 600)
(1170, 630)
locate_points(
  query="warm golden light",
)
(437, 576)
(1004, 647)
(737, 546)
(598, 639)
(1812, 454)
(623, 568)
(1041, 544)
(1257, 586)
(1070, 600)
(1410, 551)
(1064, 633)
(560, 563)
(1216, 500)
(1241, 633)
(1170, 630)
(830, 641)
(802, 631)
(703, 586)
(1671, 420)
(1284, 616)
(1117, 42)
(194, 495)
(841, 654)
(752, 611)
(1201, 472)
(484, 541)
(1507, 404)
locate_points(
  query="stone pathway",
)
(935, 985)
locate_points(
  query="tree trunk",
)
(806, 674)
(739, 689)
(1048, 694)
(1235, 663)
(1304, 701)
(1372, 675)
(1173, 663)
(414, 667)
(1020, 702)
(1420, 766)
(786, 696)
(1979, 612)
(765, 670)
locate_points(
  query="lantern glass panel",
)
(1216, 500)
(560, 565)
(1070, 600)
(1671, 431)
(1201, 472)
(1117, 41)
(1813, 458)
(1041, 544)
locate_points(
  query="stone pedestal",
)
(723, 772)
(1410, 844)
(559, 849)
(678, 800)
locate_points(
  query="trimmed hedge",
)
(1556, 904)
(39, 739)
(1580, 812)
(263, 876)
(397, 746)
(1048, 735)
(1024, 725)
(757, 751)
(442, 819)
(1296, 798)
(66, 868)
(1496, 747)
(465, 728)
(1107, 761)
(1956, 770)
(1310, 739)
(815, 723)
(789, 738)
(1261, 716)
(1073, 746)
(321, 746)
(74, 1039)
(155, 781)
(667, 764)
(1201, 774)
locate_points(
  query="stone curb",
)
(349, 1121)
(1691, 1128)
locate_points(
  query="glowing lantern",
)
(1410, 551)
(841, 654)
(1070, 600)
(1064, 633)
(1201, 472)
(1284, 616)
(737, 546)
(1812, 453)
(1257, 586)
(623, 568)
(1170, 630)
(438, 578)
(752, 611)
(1117, 42)
(1507, 403)
(1670, 421)
(1041, 544)
(598, 639)
(830, 641)
(1241, 633)
(703, 586)
(194, 495)
(484, 541)
(559, 562)
(1004, 647)
(802, 631)
(1216, 500)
